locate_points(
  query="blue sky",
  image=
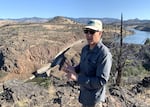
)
(131, 9)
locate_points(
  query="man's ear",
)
(100, 33)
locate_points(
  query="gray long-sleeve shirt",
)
(94, 70)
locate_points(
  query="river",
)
(138, 37)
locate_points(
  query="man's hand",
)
(72, 76)
(70, 72)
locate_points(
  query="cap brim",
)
(91, 27)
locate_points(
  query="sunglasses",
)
(89, 31)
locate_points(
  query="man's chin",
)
(90, 43)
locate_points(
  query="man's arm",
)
(102, 74)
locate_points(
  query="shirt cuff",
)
(83, 80)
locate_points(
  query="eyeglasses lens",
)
(89, 31)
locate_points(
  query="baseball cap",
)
(95, 25)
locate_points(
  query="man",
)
(93, 71)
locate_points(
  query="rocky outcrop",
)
(30, 94)
(16, 94)
(139, 88)
(125, 98)
(56, 92)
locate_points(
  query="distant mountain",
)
(136, 21)
(62, 20)
(111, 20)
(80, 20)
(104, 20)
(31, 20)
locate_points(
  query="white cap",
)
(95, 25)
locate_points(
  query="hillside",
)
(6, 22)
(28, 47)
(33, 44)
(61, 20)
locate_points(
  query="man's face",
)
(92, 36)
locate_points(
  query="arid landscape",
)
(28, 47)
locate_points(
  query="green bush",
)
(134, 71)
(2, 74)
(45, 82)
(147, 42)
(146, 63)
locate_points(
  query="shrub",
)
(147, 42)
(134, 70)
(45, 82)
(146, 63)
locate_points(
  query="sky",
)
(130, 9)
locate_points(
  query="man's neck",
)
(92, 46)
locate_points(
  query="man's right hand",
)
(71, 74)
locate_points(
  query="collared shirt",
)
(94, 70)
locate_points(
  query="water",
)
(139, 37)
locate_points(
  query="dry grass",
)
(53, 27)
(13, 75)
(4, 22)
(144, 97)
(22, 103)
(51, 91)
